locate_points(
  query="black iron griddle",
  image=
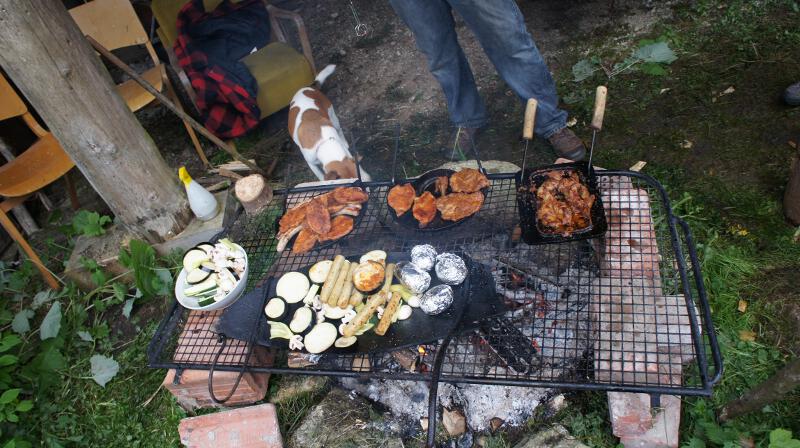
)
(476, 295)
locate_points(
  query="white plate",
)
(228, 300)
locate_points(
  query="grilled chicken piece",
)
(318, 219)
(349, 195)
(457, 206)
(442, 182)
(401, 198)
(292, 218)
(425, 209)
(468, 180)
(305, 241)
(564, 203)
(340, 226)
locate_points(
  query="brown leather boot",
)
(568, 145)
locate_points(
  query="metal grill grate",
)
(608, 313)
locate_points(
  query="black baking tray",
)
(427, 182)
(476, 294)
(532, 233)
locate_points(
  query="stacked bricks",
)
(644, 336)
(250, 427)
(198, 344)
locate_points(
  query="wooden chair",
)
(39, 166)
(280, 70)
(115, 25)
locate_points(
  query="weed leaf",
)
(89, 223)
(9, 341)
(51, 323)
(9, 396)
(126, 309)
(8, 360)
(20, 324)
(85, 336)
(41, 298)
(658, 52)
(583, 70)
(782, 438)
(103, 369)
(652, 68)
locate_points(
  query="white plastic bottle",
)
(203, 204)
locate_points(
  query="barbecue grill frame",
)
(700, 316)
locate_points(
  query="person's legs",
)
(500, 28)
(432, 23)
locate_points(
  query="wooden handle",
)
(530, 119)
(599, 107)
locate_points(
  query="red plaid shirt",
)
(228, 110)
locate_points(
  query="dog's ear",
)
(344, 169)
(331, 175)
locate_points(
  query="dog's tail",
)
(323, 75)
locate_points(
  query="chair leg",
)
(189, 129)
(16, 236)
(73, 194)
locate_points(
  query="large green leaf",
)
(21, 324)
(583, 70)
(658, 52)
(782, 438)
(103, 369)
(51, 323)
(89, 223)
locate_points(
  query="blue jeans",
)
(500, 28)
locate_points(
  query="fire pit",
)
(621, 312)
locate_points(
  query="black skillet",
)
(427, 182)
(527, 181)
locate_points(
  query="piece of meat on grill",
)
(305, 241)
(349, 195)
(340, 226)
(318, 219)
(425, 209)
(442, 182)
(401, 198)
(564, 203)
(468, 180)
(457, 206)
(293, 217)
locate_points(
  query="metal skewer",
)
(527, 128)
(597, 118)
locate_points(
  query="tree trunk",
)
(771, 390)
(47, 57)
(791, 199)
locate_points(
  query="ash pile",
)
(544, 335)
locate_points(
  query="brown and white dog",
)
(316, 130)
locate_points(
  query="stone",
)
(423, 423)
(293, 386)
(554, 437)
(250, 427)
(558, 403)
(199, 231)
(340, 420)
(104, 249)
(454, 422)
(495, 424)
(639, 425)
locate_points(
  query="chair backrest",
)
(11, 105)
(113, 23)
(166, 14)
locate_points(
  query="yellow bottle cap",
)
(184, 175)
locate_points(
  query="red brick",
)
(644, 427)
(192, 390)
(249, 427)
